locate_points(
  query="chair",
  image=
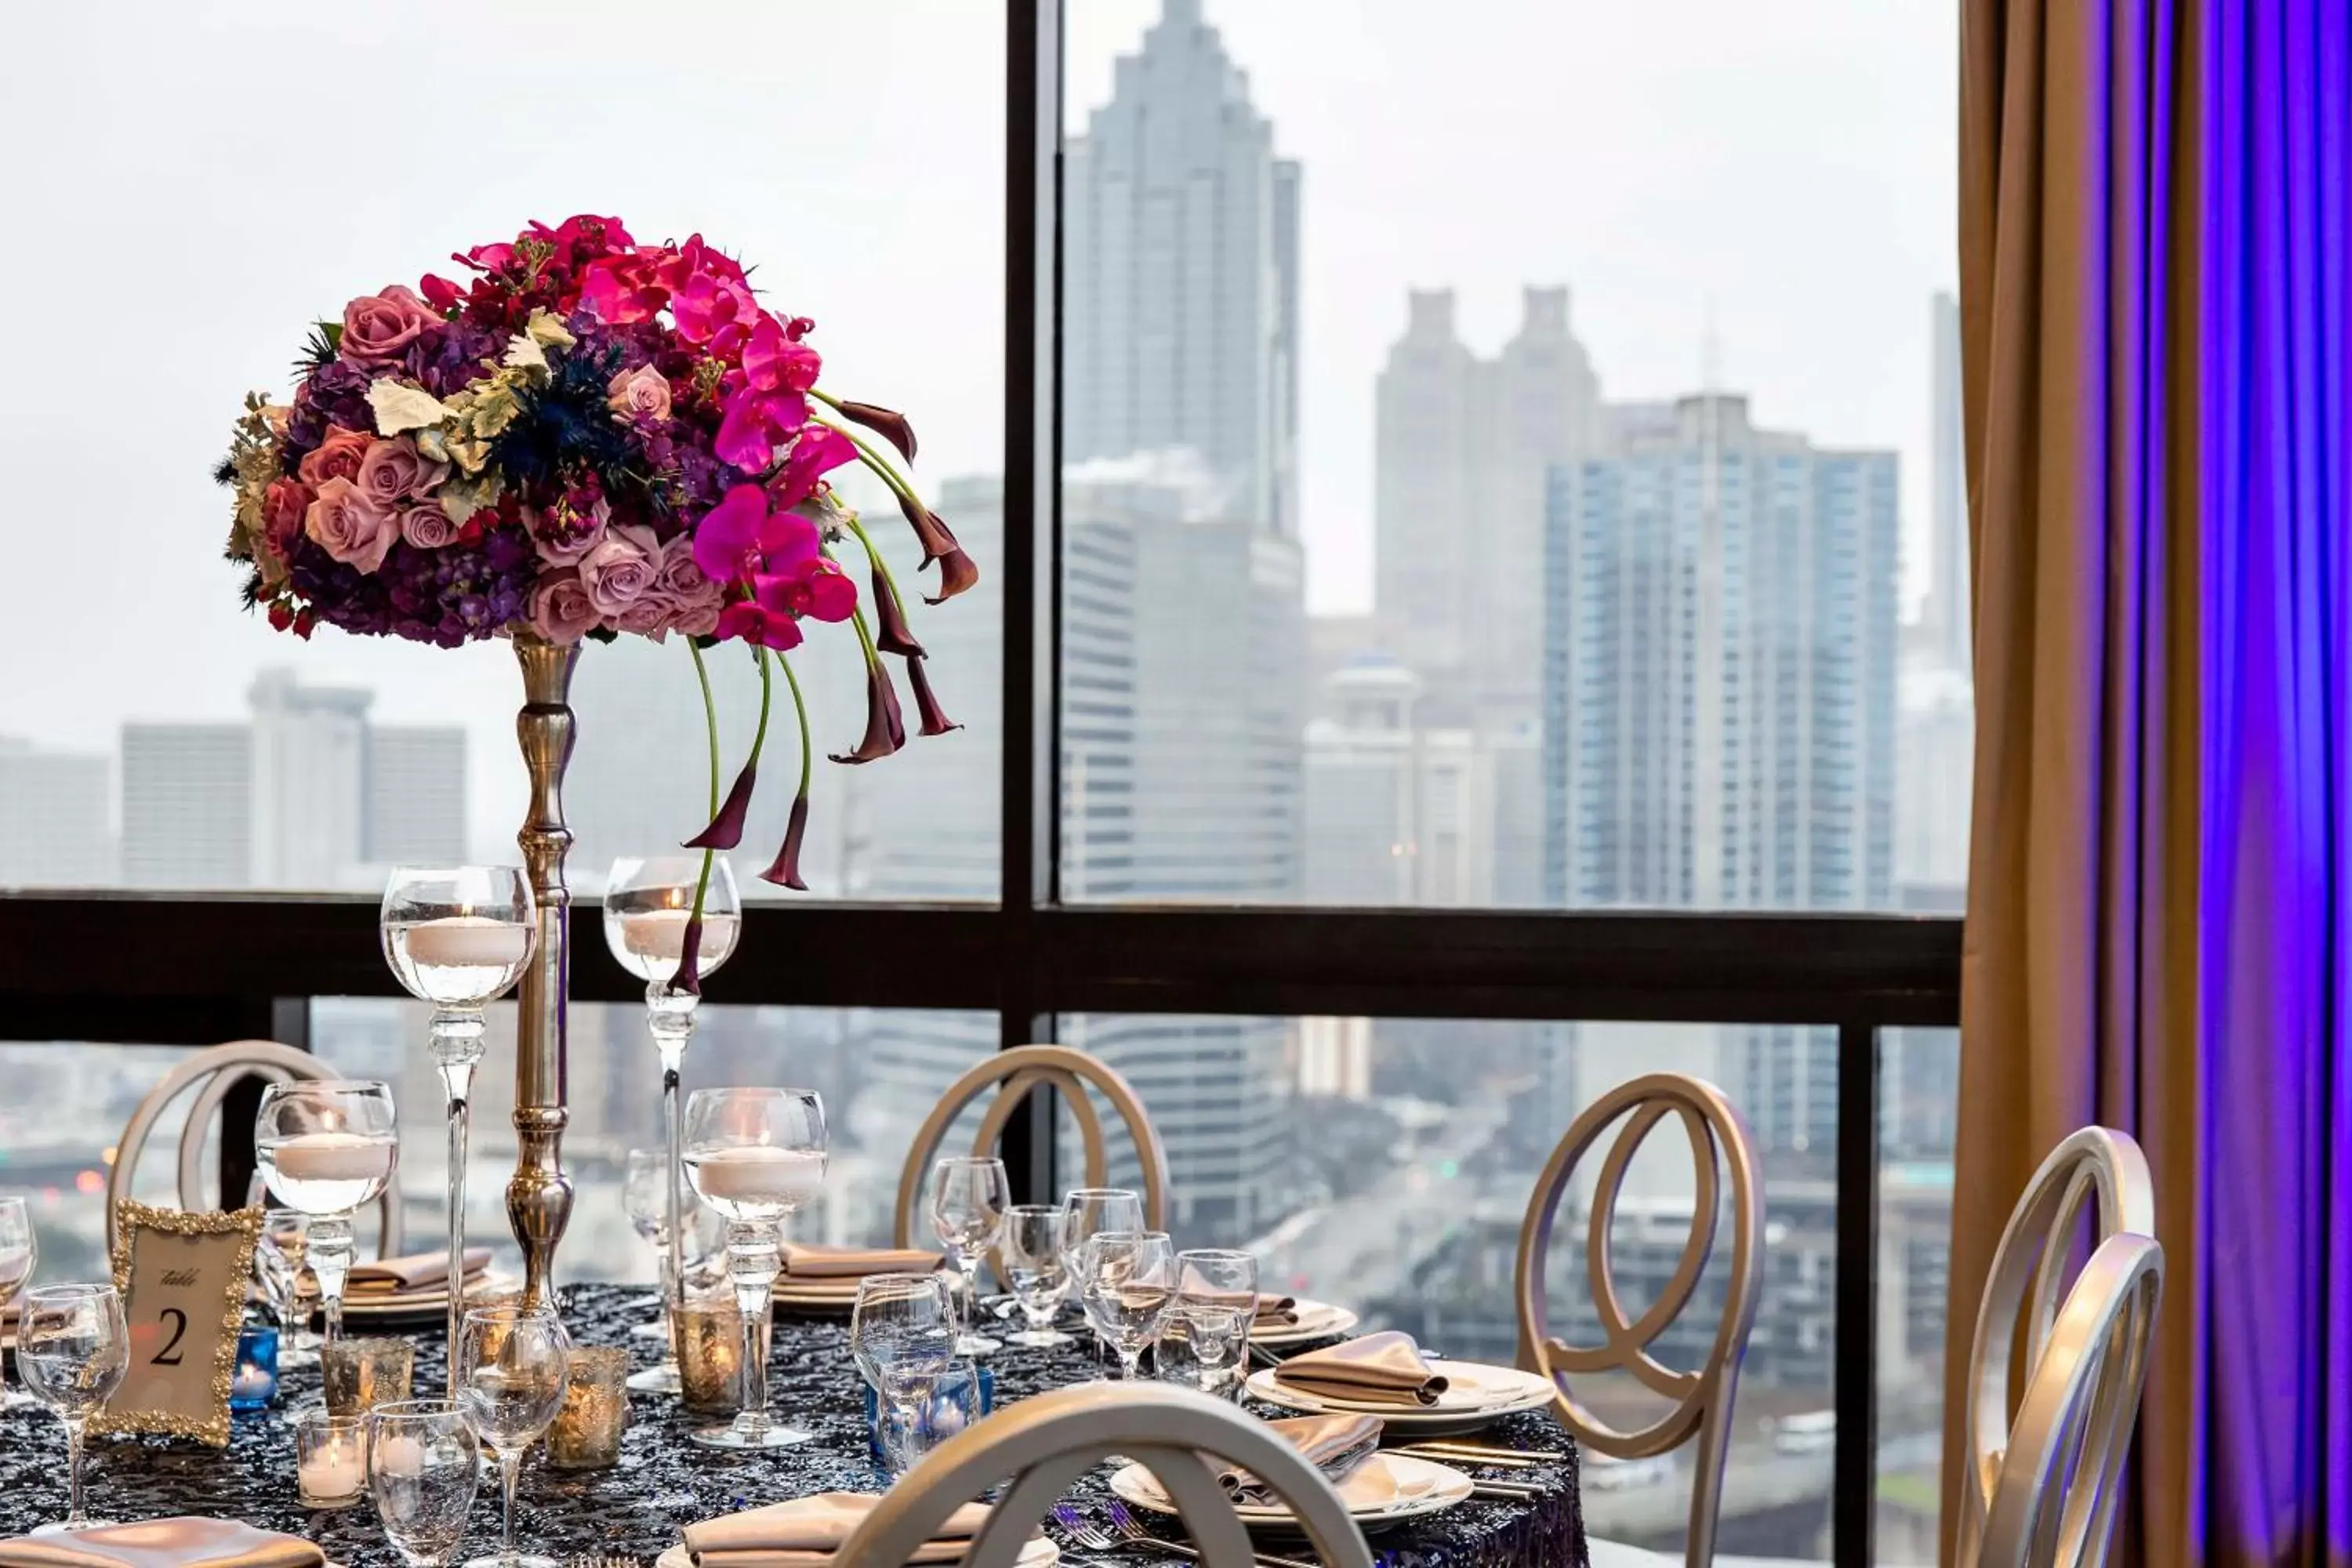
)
(1045, 1444)
(213, 1073)
(1720, 1152)
(2098, 1175)
(1020, 1071)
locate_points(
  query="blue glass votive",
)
(254, 1385)
(963, 1394)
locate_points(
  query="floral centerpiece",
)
(588, 437)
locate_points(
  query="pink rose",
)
(378, 328)
(283, 506)
(350, 526)
(682, 580)
(337, 458)
(560, 610)
(426, 526)
(393, 472)
(649, 615)
(620, 566)
(644, 390)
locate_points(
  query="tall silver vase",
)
(539, 1195)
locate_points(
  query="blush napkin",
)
(163, 1543)
(416, 1272)
(1335, 1444)
(855, 1263)
(1378, 1369)
(807, 1532)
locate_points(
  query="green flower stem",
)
(710, 727)
(873, 460)
(800, 708)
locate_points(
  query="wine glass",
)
(1086, 1212)
(1216, 1300)
(327, 1147)
(424, 1466)
(902, 1333)
(73, 1346)
(20, 1251)
(644, 1195)
(458, 937)
(969, 1197)
(513, 1369)
(755, 1155)
(648, 902)
(1127, 1279)
(280, 1254)
(1034, 1268)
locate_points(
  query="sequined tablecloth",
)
(663, 1482)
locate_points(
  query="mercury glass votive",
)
(361, 1375)
(330, 1459)
(709, 1330)
(587, 1431)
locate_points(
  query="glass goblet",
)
(648, 902)
(1034, 1268)
(424, 1466)
(458, 937)
(512, 1373)
(20, 1251)
(644, 1195)
(1086, 1212)
(902, 1334)
(73, 1346)
(1127, 1279)
(969, 1197)
(281, 1257)
(327, 1147)
(1216, 1301)
(755, 1155)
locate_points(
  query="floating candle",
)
(333, 1157)
(661, 934)
(755, 1174)
(471, 941)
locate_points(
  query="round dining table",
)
(627, 1516)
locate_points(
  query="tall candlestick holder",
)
(539, 1195)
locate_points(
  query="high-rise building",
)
(187, 805)
(1948, 604)
(1181, 274)
(308, 783)
(1397, 814)
(415, 806)
(53, 817)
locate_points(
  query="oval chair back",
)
(1014, 1074)
(1722, 1155)
(211, 1073)
(2097, 1178)
(1044, 1445)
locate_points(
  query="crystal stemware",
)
(1086, 1212)
(644, 1195)
(647, 904)
(424, 1466)
(458, 937)
(755, 1155)
(969, 1197)
(902, 1334)
(20, 1251)
(281, 1255)
(1034, 1271)
(1216, 1300)
(73, 1346)
(512, 1370)
(1127, 1279)
(327, 1147)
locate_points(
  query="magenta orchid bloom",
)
(775, 362)
(817, 589)
(705, 307)
(741, 538)
(756, 624)
(755, 423)
(622, 289)
(816, 452)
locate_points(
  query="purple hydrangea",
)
(445, 358)
(458, 593)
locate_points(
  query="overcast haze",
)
(192, 182)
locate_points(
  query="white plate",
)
(1476, 1395)
(1039, 1554)
(1384, 1489)
(1317, 1321)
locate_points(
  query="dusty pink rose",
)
(560, 610)
(351, 527)
(426, 526)
(649, 615)
(620, 567)
(644, 390)
(682, 580)
(283, 506)
(393, 472)
(378, 328)
(336, 457)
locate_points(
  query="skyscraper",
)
(1181, 274)
(309, 782)
(415, 806)
(187, 805)
(53, 817)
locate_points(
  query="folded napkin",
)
(1275, 1312)
(416, 1272)
(855, 1263)
(1334, 1445)
(808, 1531)
(1377, 1369)
(163, 1543)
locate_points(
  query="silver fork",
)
(1132, 1531)
(1132, 1538)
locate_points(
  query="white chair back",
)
(2098, 1176)
(1721, 1154)
(1018, 1072)
(212, 1072)
(1044, 1445)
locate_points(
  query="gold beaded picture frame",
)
(184, 1278)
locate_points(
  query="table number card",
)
(184, 1278)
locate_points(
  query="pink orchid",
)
(816, 452)
(621, 289)
(756, 624)
(813, 588)
(705, 307)
(755, 423)
(741, 538)
(773, 362)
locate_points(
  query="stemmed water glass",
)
(1034, 1271)
(20, 1251)
(1127, 1279)
(902, 1333)
(647, 904)
(755, 1155)
(1216, 1300)
(281, 1253)
(424, 1466)
(645, 1194)
(969, 1197)
(327, 1147)
(512, 1370)
(458, 937)
(1086, 1212)
(73, 1346)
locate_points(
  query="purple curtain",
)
(2156, 230)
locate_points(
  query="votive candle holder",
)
(330, 1459)
(363, 1373)
(708, 1335)
(587, 1431)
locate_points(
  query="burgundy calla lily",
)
(786, 871)
(688, 978)
(891, 633)
(886, 731)
(957, 571)
(935, 718)
(726, 829)
(887, 423)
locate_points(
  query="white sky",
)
(193, 181)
